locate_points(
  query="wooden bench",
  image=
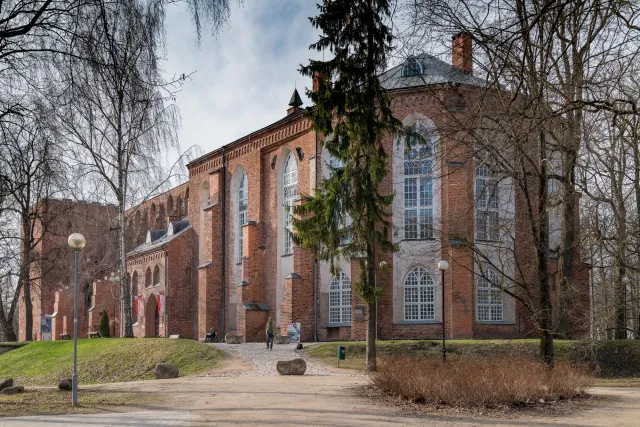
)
(65, 336)
(94, 334)
(174, 337)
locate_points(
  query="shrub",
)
(465, 382)
(105, 332)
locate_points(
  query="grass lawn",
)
(104, 360)
(45, 402)
(613, 358)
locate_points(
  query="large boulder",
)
(283, 339)
(233, 339)
(6, 383)
(65, 384)
(13, 390)
(292, 367)
(165, 371)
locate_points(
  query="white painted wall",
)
(415, 253)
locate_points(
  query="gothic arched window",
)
(290, 192)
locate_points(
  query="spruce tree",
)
(105, 332)
(353, 112)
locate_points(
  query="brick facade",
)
(204, 278)
(160, 275)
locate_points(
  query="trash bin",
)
(342, 353)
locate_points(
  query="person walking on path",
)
(270, 330)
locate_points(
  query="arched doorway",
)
(152, 318)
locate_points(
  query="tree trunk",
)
(24, 278)
(546, 308)
(6, 320)
(372, 364)
(568, 243)
(7, 326)
(124, 286)
(619, 262)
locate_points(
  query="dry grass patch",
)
(478, 383)
(52, 401)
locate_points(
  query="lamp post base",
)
(74, 388)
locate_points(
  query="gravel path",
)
(264, 361)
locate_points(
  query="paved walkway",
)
(264, 361)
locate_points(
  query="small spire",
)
(295, 100)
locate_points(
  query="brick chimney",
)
(317, 78)
(461, 52)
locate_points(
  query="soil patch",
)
(557, 408)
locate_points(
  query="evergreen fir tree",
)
(354, 112)
(105, 332)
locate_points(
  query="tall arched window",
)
(419, 295)
(346, 221)
(148, 279)
(170, 206)
(243, 206)
(290, 192)
(156, 275)
(340, 299)
(418, 185)
(205, 201)
(487, 200)
(134, 297)
(489, 304)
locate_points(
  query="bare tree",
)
(30, 157)
(116, 112)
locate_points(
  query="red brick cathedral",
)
(216, 252)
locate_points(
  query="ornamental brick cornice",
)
(261, 141)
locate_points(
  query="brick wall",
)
(105, 296)
(54, 270)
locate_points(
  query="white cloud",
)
(244, 76)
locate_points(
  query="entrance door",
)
(151, 318)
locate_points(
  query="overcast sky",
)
(244, 76)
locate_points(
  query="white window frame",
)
(418, 187)
(412, 67)
(419, 296)
(290, 195)
(340, 299)
(243, 208)
(487, 221)
(489, 298)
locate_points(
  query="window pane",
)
(340, 299)
(489, 299)
(426, 191)
(426, 223)
(410, 192)
(419, 295)
(493, 226)
(411, 224)
(481, 225)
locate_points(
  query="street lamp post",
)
(443, 266)
(76, 242)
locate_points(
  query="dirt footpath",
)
(232, 396)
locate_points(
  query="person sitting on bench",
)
(211, 336)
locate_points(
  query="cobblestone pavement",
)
(264, 361)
